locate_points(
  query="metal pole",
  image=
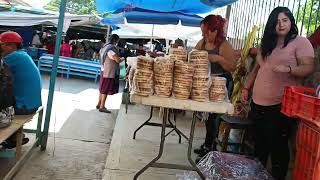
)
(293, 6)
(304, 15)
(297, 18)
(53, 74)
(259, 14)
(316, 24)
(228, 12)
(108, 34)
(310, 17)
(151, 47)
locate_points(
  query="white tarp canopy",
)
(8, 18)
(171, 32)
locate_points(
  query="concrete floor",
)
(79, 136)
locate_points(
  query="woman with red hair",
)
(222, 62)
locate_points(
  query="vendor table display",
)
(173, 103)
(176, 82)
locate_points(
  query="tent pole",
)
(108, 33)
(151, 47)
(53, 74)
(228, 12)
(167, 46)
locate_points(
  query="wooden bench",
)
(71, 66)
(17, 127)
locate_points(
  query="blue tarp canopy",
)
(184, 6)
(142, 16)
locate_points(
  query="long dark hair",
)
(270, 37)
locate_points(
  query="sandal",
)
(104, 110)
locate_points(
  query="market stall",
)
(188, 105)
(176, 82)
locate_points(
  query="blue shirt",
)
(26, 80)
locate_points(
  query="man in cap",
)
(26, 76)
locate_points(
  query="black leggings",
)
(271, 134)
(212, 127)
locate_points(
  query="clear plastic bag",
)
(163, 76)
(218, 89)
(143, 77)
(201, 80)
(179, 54)
(224, 166)
(182, 83)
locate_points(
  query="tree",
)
(309, 13)
(74, 6)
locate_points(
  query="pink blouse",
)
(269, 85)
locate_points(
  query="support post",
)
(108, 34)
(53, 74)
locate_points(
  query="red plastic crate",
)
(307, 162)
(299, 102)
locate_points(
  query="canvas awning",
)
(9, 18)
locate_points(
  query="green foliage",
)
(309, 12)
(74, 6)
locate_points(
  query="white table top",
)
(189, 105)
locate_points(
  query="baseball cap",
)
(10, 37)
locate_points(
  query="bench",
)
(17, 127)
(71, 66)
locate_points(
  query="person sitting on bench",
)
(26, 77)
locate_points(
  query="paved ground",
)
(79, 135)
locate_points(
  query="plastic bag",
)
(132, 62)
(143, 77)
(179, 54)
(218, 89)
(163, 76)
(200, 85)
(182, 83)
(224, 166)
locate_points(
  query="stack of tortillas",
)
(163, 76)
(218, 89)
(143, 76)
(182, 83)
(179, 54)
(200, 86)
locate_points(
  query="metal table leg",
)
(163, 131)
(170, 125)
(154, 163)
(145, 123)
(193, 164)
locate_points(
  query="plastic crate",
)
(299, 102)
(307, 163)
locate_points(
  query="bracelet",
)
(290, 69)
